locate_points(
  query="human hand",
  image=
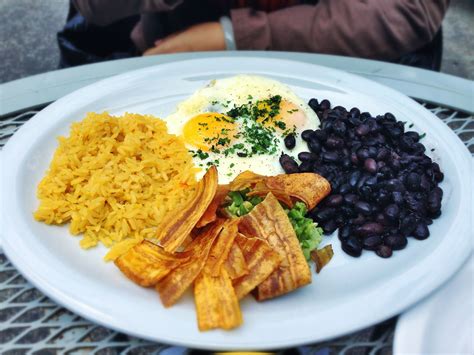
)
(208, 36)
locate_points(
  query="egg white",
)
(223, 94)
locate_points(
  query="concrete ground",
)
(28, 37)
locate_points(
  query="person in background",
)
(402, 31)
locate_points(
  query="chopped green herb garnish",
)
(200, 154)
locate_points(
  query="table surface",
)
(30, 322)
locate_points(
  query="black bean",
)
(350, 199)
(334, 143)
(384, 251)
(383, 154)
(321, 135)
(339, 128)
(354, 120)
(435, 215)
(307, 135)
(362, 154)
(439, 177)
(371, 242)
(314, 146)
(415, 203)
(434, 199)
(306, 167)
(305, 156)
(344, 189)
(358, 220)
(314, 104)
(366, 192)
(370, 165)
(394, 185)
(407, 224)
(330, 157)
(362, 130)
(425, 183)
(325, 105)
(392, 212)
(324, 214)
(333, 200)
(397, 197)
(406, 143)
(421, 231)
(354, 112)
(373, 151)
(347, 212)
(362, 181)
(389, 117)
(380, 218)
(383, 198)
(344, 232)
(394, 132)
(329, 226)
(370, 228)
(418, 148)
(363, 207)
(412, 135)
(290, 141)
(288, 164)
(346, 163)
(395, 241)
(354, 159)
(413, 181)
(385, 172)
(371, 181)
(352, 246)
(365, 115)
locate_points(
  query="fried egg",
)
(239, 123)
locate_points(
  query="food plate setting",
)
(249, 153)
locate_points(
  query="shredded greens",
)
(307, 232)
(241, 203)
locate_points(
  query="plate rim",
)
(62, 298)
(409, 335)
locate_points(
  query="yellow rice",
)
(114, 178)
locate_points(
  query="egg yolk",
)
(289, 113)
(210, 129)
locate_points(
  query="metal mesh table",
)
(32, 323)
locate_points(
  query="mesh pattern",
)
(31, 323)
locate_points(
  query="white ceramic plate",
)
(348, 295)
(444, 322)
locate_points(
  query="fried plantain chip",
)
(211, 213)
(235, 264)
(269, 221)
(261, 261)
(308, 187)
(281, 195)
(147, 263)
(178, 224)
(245, 179)
(173, 285)
(322, 257)
(217, 305)
(221, 247)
